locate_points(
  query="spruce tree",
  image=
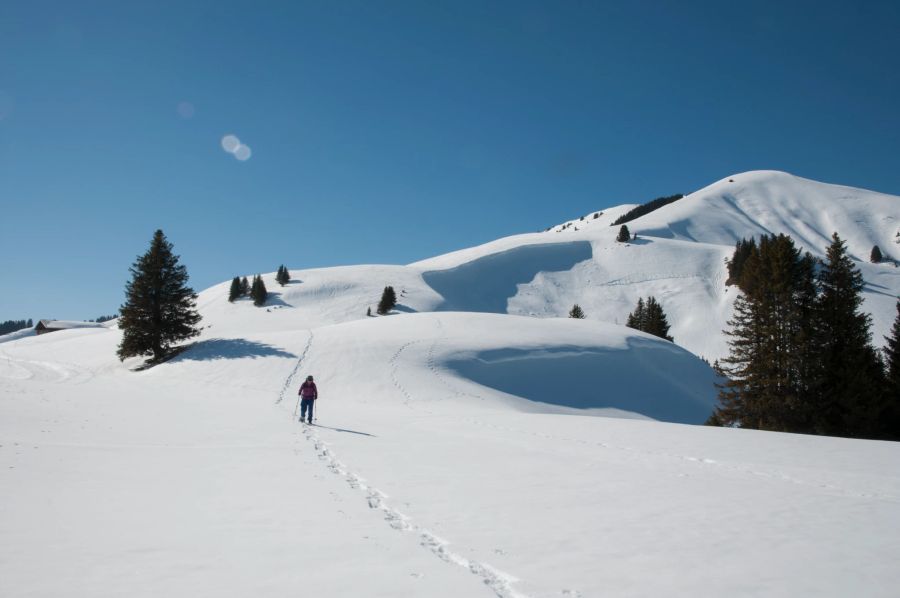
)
(388, 301)
(850, 381)
(159, 309)
(258, 291)
(655, 320)
(649, 317)
(245, 287)
(638, 318)
(576, 312)
(876, 256)
(283, 276)
(624, 236)
(742, 250)
(235, 291)
(892, 386)
(769, 368)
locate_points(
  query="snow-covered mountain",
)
(458, 451)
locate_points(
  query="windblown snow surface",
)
(472, 443)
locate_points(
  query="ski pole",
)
(297, 405)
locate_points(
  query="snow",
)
(458, 453)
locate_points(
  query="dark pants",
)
(304, 405)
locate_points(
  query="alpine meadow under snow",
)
(474, 442)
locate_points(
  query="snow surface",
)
(457, 453)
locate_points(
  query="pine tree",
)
(742, 250)
(258, 291)
(769, 368)
(159, 309)
(892, 387)
(876, 256)
(369, 312)
(850, 382)
(649, 317)
(283, 276)
(624, 236)
(638, 318)
(388, 301)
(655, 320)
(235, 291)
(245, 287)
(576, 312)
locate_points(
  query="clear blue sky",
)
(387, 132)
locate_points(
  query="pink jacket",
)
(308, 390)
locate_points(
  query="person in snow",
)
(308, 394)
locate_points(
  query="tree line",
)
(801, 356)
(14, 325)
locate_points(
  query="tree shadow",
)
(229, 348)
(274, 300)
(404, 308)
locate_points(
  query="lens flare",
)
(230, 143)
(243, 153)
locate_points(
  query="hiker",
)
(308, 393)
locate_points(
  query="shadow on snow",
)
(230, 348)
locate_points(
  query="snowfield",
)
(473, 443)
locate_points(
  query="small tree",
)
(656, 322)
(283, 277)
(388, 301)
(876, 256)
(576, 312)
(245, 287)
(258, 291)
(159, 309)
(369, 311)
(624, 236)
(235, 291)
(637, 318)
(649, 317)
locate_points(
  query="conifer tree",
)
(245, 287)
(649, 317)
(638, 318)
(892, 388)
(655, 319)
(258, 291)
(576, 312)
(850, 382)
(892, 353)
(875, 257)
(159, 309)
(742, 250)
(769, 369)
(235, 291)
(388, 301)
(624, 236)
(283, 276)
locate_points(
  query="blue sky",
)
(387, 132)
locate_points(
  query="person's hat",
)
(309, 378)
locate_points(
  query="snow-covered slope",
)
(458, 453)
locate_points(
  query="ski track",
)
(498, 581)
(289, 381)
(46, 371)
